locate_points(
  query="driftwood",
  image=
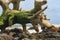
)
(7, 14)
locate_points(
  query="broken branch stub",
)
(39, 12)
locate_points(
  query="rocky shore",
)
(20, 35)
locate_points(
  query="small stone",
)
(26, 39)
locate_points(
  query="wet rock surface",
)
(34, 36)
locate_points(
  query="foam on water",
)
(28, 26)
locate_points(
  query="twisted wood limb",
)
(35, 25)
(15, 4)
(4, 5)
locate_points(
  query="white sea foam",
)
(28, 26)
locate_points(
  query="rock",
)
(26, 39)
(5, 37)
